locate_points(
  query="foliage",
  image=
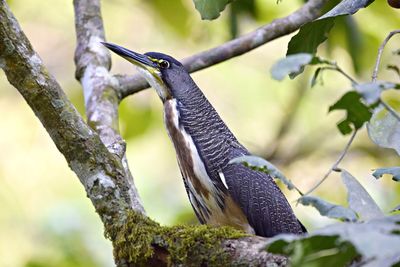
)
(371, 243)
(384, 129)
(393, 171)
(328, 209)
(210, 9)
(350, 241)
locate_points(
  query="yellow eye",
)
(163, 64)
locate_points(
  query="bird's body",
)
(219, 192)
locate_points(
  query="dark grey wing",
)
(265, 206)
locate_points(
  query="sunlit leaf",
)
(357, 113)
(393, 171)
(359, 200)
(328, 209)
(312, 34)
(346, 7)
(260, 164)
(326, 251)
(210, 9)
(371, 91)
(377, 242)
(289, 65)
(384, 129)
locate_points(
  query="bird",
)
(221, 193)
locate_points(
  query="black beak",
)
(129, 55)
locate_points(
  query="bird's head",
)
(164, 73)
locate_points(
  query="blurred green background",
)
(46, 218)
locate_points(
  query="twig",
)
(380, 51)
(277, 28)
(336, 164)
(335, 67)
(376, 68)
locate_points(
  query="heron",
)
(221, 193)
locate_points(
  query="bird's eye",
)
(164, 64)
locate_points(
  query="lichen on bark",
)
(136, 240)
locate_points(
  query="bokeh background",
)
(46, 218)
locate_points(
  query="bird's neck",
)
(194, 116)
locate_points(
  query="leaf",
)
(394, 171)
(290, 65)
(359, 200)
(371, 92)
(210, 9)
(356, 112)
(326, 251)
(346, 7)
(376, 242)
(310, 36)
(328, 209)
(260, 164)
(384, 129)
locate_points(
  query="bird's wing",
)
(263, 203)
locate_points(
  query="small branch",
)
(335, 67)
(277, 28)
(100, 88)
(380, 51)
(335, 165)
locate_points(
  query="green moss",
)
(135, 239)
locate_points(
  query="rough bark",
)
(96, 153)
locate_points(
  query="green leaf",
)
(357, 113)
(310, 36)
(359, 200)
(260, 164)
(371, 92)
(384, 129)
(290, 65)
(394, 171)
(210, 9)
(376, 242)
(328, 209)
(315, 251)
(346, 7)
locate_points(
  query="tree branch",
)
(380, 51)
(277, 28)
(101, 172)
(99, 87)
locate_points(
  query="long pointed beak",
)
(133, 57)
